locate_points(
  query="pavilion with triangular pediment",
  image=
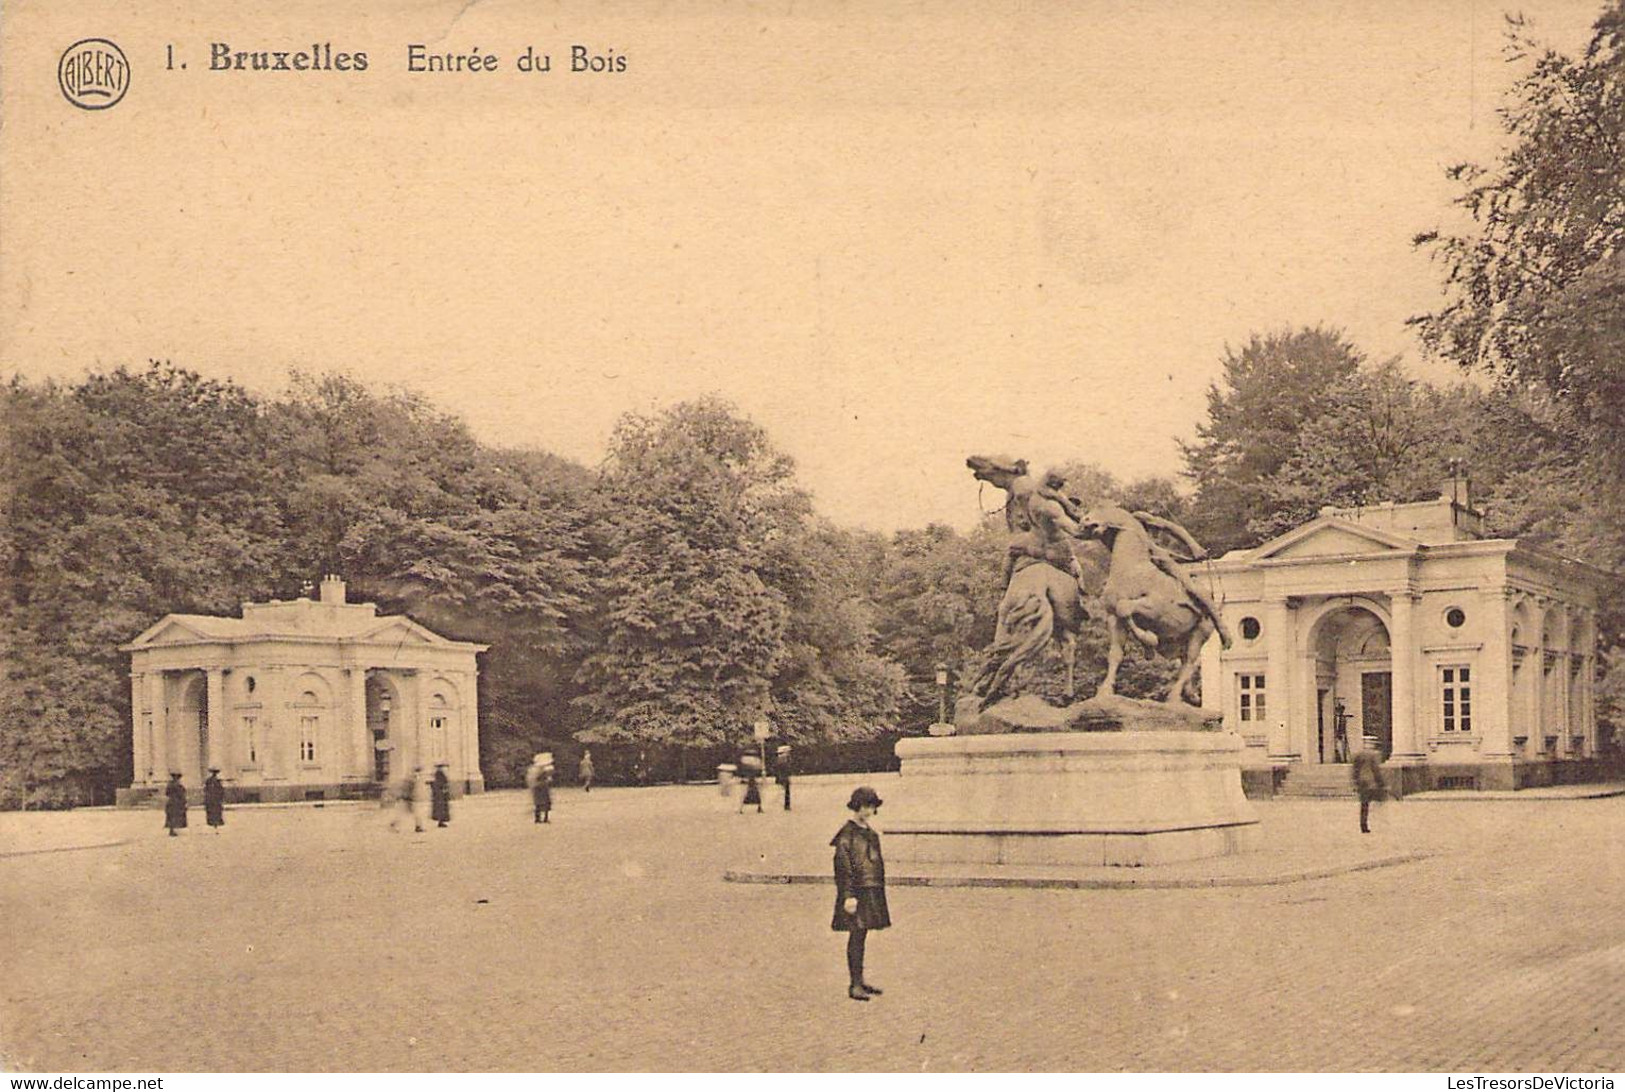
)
(301, 699)
(1470, 662)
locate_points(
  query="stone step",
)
(1325, 782)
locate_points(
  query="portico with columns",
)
(1469, 662)
(301, 699)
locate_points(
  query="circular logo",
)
(93, 74)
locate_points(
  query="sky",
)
(893, 234)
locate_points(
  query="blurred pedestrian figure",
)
(753, 792)
(388, 801)
(540, 779)
(440, 793)
(1366, 772)
(750, 768)
(781, 773)
(415, 798)
(860, 886)
(585, 770)
(214, 800)
(175, 804)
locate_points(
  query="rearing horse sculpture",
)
(1144, 602)
(1042, 602)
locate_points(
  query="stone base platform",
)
(1069, 798)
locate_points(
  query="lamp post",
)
(942, 702)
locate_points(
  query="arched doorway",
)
(1354, 687)
(383, 712)
(192, 745)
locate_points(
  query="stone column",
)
(1280, 618)
(412, 737)
(1492, 691)
(360, 765)
(1213, 684)
(217, 720)
(158, 702)
(1402, 660)
(140, 741)
(471, 730)
(272, 759)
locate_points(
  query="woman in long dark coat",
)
(214, 800)
(440, 796)
(175, 804)
(860, 886)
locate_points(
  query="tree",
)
(1535, 283)
(1383, 437)
(689, 635)
(1271, 389)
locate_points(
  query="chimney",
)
(332, 589)
(1457, 490)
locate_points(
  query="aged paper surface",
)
(892, 234)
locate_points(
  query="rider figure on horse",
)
(1163, 559)
(1045, 521)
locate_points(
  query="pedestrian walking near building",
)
(540, 778)
(781, 773)
(175, 804)
(1366, 772)
(440, 794)
(415, 798)
(750, 768)
(214, 800)
(753, 791)
(584, 771)
(860, 887)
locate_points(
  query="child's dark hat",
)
(863, 796)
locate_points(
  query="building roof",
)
(1334, 536)
(328, 620)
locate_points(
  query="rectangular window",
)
(437, 730)
(1456, 698)
(307, 739)
(1251, 689)
(251, 740)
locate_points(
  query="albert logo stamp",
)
(93, 74)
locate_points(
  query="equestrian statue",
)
(1147, 594)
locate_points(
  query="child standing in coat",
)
(860, 886)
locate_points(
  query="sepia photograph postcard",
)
(530, 528)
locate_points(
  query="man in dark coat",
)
(860, 887)
(440, 796)
(1366, 772)
(175, 804)
(214, 800)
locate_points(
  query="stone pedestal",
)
(1070, 798)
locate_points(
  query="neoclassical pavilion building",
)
(1469, 661)
(301, 700)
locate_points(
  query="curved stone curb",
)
(63, 849)
(1086, 883)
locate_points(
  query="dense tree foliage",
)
(1535, 279)
(1272, 388)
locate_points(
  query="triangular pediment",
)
(175, 630)
(402, 631)
(1332, 537)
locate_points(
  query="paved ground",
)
(315, 939)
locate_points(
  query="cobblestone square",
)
(308, 938)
